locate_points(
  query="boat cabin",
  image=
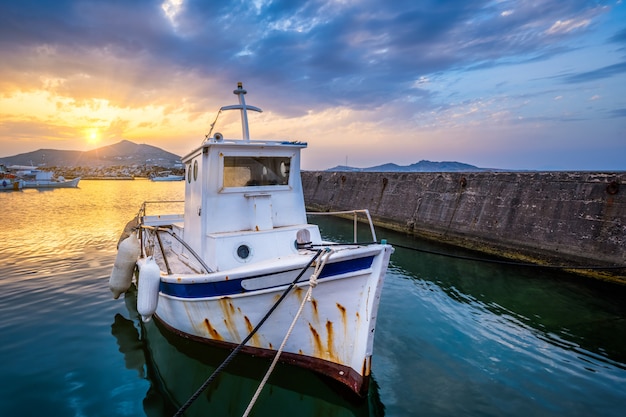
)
(243, 198)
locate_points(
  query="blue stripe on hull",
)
(221, 288)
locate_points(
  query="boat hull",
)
(289, 392)
(168, 178)
(7, 184)
(52, 184)
(333, 335)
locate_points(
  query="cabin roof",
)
(245, 144)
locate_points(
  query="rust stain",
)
(299, 293)
(318, 348)
(256, 341)
(367, 366)
(228, 310)
(330, 342)
(214, 333)
(232, 329)
(342, 309)
(344, 321)
(316, 317)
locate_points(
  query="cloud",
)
(567, 26)
(619, 37)
(399, 66)
(349, 48)
(618, 113)
(597, 74)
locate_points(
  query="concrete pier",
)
(564, 218)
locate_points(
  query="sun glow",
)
(93, 136)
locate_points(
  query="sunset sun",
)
(92, 136)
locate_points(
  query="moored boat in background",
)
(8, 180)
(241, 266)
(37, 178)
(167, 176)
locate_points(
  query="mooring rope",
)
(305, 299)
(240, 346)
(213, 125)
(501, 262)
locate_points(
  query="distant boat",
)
(36, 178)
(8, 180)
(241, 259)
(167, 176)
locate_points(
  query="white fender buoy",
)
(124, 266)
(148, 289)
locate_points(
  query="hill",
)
(421, 166)
(124, 153)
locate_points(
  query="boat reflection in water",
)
(177, 367)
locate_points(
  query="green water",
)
(453, 337)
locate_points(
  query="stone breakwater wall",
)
(567, 218)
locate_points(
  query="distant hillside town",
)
(124, 159)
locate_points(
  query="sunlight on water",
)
(453, 337)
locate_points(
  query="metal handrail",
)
(156, 231)
(355, 219)
(355, 214)
(142, 209)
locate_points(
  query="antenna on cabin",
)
(243, 107)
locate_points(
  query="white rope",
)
(318, 270)
(213, 124)
(312, 284)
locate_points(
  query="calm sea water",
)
(453, 337)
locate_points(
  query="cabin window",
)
(249, 171)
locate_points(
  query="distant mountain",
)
(127, 153)
(124, 153)
(421, 166)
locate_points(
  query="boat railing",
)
(355, 218)
(160, 218)
(161, 211)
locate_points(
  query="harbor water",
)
(454, 336)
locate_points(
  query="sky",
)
(521, 85)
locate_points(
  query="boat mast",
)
(243, 107)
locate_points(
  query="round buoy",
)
(124, 266)
(148, 289)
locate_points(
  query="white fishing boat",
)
(8, 180)
(240, 266)
(167, 176)
(36, 178)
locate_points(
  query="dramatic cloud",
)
(378, 81)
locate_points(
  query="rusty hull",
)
(347, 377)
